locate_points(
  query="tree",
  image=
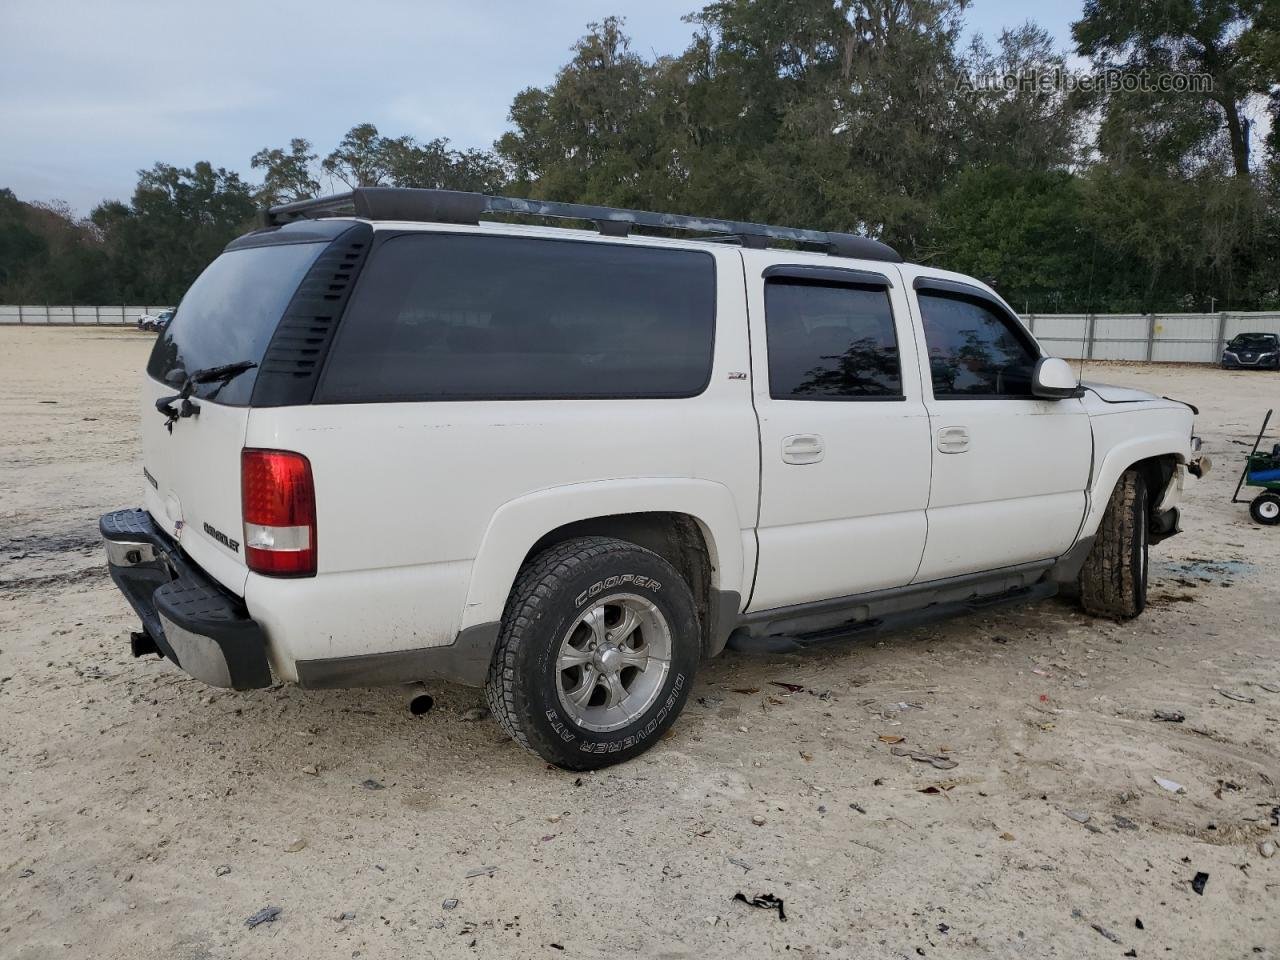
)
(1028, 127)
(365, 158)
(1211, 37)
(360, 159)
(591, 134)
(177, 222)
(1021, 229)
(287, 175)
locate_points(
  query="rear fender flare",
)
(519, 524)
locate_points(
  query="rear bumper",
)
(190, 618)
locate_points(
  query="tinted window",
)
(830, 342)
(974, 351)
(464, 317)
(228, 315)
(1253, 341)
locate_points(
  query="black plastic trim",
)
(452, 206)
(176, 588)
(723, 616)
(822, 614)
(464, 661)
(309, 231)
(291, 366)
(811, 273)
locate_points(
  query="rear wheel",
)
(597, 651)
(1265, 509)
(1113, 582)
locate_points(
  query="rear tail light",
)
(279, 505)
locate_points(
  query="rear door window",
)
(467, 317)
(229, 315)
(829, 342)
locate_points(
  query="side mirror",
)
(1053, 379)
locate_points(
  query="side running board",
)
(743, 641)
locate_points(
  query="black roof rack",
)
(453, 206)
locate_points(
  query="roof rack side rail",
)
(453, 206)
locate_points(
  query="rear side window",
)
(974, 349)
(466, 317)
(829, 342)
(229, 315)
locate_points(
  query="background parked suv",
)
(384, 441)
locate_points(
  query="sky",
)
(93, 91)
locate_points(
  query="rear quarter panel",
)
(425, 510)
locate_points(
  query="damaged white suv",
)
(387, 438)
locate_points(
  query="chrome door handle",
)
(802, 448)
(953, 440)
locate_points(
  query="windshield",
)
(1255, 341)
(229, 315)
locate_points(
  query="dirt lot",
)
(145, 815)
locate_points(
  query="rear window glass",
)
(465, 317)
(229, 315)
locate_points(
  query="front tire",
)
(596, 654)
(1113, 582)
(1265, 509)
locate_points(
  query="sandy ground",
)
(145, 815)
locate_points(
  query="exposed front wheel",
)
(1265, 509)
(596, 654)
(1113, 582)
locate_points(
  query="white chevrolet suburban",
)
(395, 435)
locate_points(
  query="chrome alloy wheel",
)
(613, 662)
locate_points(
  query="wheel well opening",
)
(676, 537)
(1156, 473)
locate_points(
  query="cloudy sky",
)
(91, 91)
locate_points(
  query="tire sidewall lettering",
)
(609, 583)
(645, 732)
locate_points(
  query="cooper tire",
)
(1113, 582)
(566, 677)
(1265, 509)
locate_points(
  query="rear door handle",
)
(802, 448)
(953, 439)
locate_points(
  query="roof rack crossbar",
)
(453, 206)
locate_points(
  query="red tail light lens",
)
(279, 505)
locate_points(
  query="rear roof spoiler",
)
(454, 206)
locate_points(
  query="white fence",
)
(118, 315)
(1168, 337)
(1160, 337)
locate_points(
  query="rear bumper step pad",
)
(190, 618)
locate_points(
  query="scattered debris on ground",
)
(765, 901)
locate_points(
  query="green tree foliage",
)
(179, 220)
(286, 176)
(365, 158)
(1211, 37)
(48, 255)
(856, 115)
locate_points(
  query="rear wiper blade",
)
(225, 372)
(221, 375)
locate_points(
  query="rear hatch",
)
(192, 463)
